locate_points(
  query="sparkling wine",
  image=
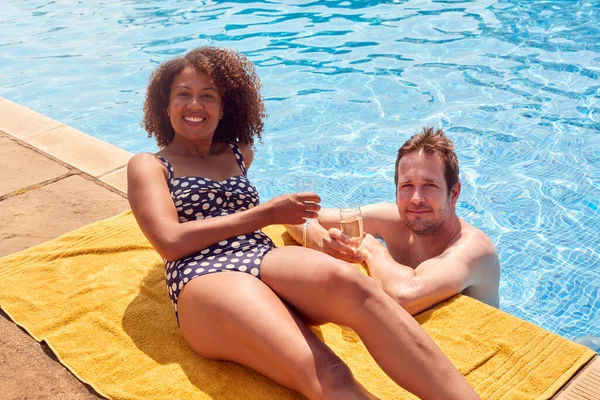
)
(353, 229)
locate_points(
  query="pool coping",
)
(105, 165)
(97, 158)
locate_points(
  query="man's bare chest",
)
(407, 253)
(400, 250)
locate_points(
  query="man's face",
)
(422, 196)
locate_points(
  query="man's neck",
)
(436, 244)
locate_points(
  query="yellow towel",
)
(97, 297)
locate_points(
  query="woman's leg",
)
(234, 316)
(323, 288)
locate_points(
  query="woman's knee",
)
(349, 282)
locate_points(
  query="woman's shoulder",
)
(247, 153)
(244, 148)
(143, 163)
(143, 159)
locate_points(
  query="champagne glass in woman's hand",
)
(306, 185)
(351, 222)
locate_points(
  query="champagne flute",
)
(304, 185)
(351, 222)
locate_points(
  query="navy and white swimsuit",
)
(199, 198)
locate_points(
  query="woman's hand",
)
(293, 209)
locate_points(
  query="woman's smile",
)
(194, 120)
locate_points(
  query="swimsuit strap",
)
(169, 167)
(236, 151)
(239, 157)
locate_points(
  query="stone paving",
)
(42, 197)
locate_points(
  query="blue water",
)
(514, 83)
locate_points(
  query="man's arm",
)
(465, 265)
(324, 233)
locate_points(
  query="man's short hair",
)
(432, 141)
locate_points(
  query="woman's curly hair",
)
(236, 79)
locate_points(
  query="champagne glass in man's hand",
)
(351, 222)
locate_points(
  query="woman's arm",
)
(330, 241)
(155, 212)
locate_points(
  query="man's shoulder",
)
(382, 220)
(382, 211)
(476, 248)
(475, 236)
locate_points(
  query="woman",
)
(194, 203)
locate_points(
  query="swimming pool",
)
(514, 83)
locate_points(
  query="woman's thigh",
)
(234, 316)
(319, 287)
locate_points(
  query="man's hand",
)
(336, 244)
(370, 246)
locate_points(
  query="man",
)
(431, 253)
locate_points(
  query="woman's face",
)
(195, 105)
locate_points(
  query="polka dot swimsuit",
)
(199, 198)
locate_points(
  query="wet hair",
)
(432, 141)
(237, 82)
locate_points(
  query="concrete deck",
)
(54, 179)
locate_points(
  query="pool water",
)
(514, 83)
